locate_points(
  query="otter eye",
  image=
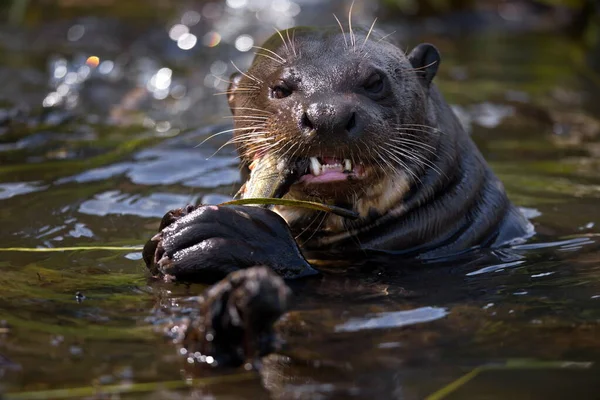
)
(374, 84)
(280, 91)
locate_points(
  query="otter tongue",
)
(272, 176)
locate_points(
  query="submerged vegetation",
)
(93, 151)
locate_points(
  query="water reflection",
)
(395, 319)
(8, 190)
(98, 139)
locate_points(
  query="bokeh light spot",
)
(236, 3)
(218, 67)
(244, 42)
(211, 39)
(75, 33)
(190, 18)
(177, 31)
(106, 67)
(92, 61)
(187, 41)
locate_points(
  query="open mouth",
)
(331, 169)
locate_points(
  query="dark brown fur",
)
(427, 188)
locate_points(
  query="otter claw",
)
(165, 262)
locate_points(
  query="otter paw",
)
(208, 242)
(237, 317)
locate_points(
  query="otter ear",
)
(425, 58)
(234, 82)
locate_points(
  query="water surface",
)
(95, 153)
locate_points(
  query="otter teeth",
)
(347, 165)
(315, 166)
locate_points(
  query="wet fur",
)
(434, 195)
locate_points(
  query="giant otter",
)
(379, 139)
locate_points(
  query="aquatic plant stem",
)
(294, 203)
(73, 248)
(515, 364)
(88, 391)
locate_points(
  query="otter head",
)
(356, 107)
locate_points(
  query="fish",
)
(272, 177)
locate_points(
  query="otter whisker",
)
(352, 37)
(268, 56)
(289, 149)
(249, 136)
(417, 142)
(287, 49)
(251, 109)
(293, 42)
(369, 33)
(246, 75)
(225, 131)
(421, 125)
(247, 86)
(249, 139)
(407, 146)
(409, 154)
(415, 145)
(249, 122)
(227, 144)
(418, 158)
(421, 145)
(222, 79)
(325, 215)
(287, 33)
(265, 148)
(420, 69)
(342, 28)
(402, 164)
(384, 159)
(248, 117)
(283, 60)
(429, 131)
(376, 159)
(385, 36)
(304, 230)
(234, 91)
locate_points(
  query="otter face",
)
(356, 107)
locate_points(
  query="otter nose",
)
(329, 119)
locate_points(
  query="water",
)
(116, 147)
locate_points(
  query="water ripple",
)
(394, 319)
